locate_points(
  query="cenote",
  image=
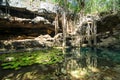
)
(59, 39)
(67, 64)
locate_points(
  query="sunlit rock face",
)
(50, 7)
(27, 15)
(29, 4)
(32, 5)
(40, 42)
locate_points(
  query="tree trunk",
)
(56, 24)
(64, 29)
(95, 33)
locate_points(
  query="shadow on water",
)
(33, 72)
(78, 64)
(90, 64)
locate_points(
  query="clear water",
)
(93, 57)
(78, 64)
(91, 64)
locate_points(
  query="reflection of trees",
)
(79, 59)
(83, 58)
(91, 58)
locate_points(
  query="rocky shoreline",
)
(46, 41)
(40, 42)
(32, 30)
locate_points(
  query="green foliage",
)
(28, 58)
(66, 4)
(93, 6)
(90, 6)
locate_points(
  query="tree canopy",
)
(89, 6)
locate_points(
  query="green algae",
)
(18, 60)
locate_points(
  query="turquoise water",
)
(95, 55)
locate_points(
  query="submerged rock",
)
(9, 59)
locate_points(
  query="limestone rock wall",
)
(32, 5)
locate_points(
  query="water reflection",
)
(77, 64)
(80, 62)
(80, 58)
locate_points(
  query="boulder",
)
(47, 40)
(58, 39)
